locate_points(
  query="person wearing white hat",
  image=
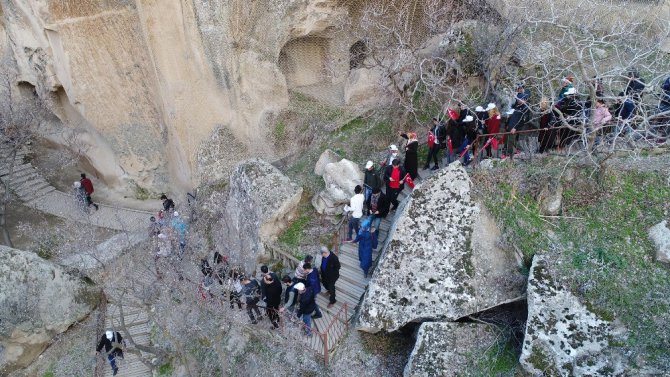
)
(112, 343)
(393, 154)
(80, 196)
(306, 306)
(566, 85)
(371, 180)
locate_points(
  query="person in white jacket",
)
(356, 208)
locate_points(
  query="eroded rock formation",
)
(449, 349)
(563, 337)
(261, 203)
(443, 261)
(341, 179)
(38, 300)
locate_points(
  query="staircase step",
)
(29, 182)
(30, 195)
(17, 182)
(4, 169)
(28, 190)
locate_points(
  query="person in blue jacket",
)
(364, 240)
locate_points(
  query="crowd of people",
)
(555, 125)
(292, 296)
(462, 133)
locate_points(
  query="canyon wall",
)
(165, 95)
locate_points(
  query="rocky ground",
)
(598, 250)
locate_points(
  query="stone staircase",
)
(25, 181)
(350, 288)
(35, 192)
(137, 323)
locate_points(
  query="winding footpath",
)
(35, 192)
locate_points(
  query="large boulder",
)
(660, 236)
(443, 261)
(340, 178)
(38, 300)
(327, 157)
(563, 337)
(261, 204)
(449, 349)
(550, 198)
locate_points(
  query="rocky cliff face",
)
(38, 300)
(161, 92)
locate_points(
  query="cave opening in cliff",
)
(303, 61)
(357, 55)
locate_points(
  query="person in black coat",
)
(571, 110)
(273, 291)
(547, 136)
(380, 206)
(306, 306)
(411, 157)
(330, 272)
(251, 293)
(111, 341)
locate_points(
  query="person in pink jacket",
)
(601, 115)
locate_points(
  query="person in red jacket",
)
(88, 189)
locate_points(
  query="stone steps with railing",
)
(34, 191)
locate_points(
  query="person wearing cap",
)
(566, 84)
(355, 206)
(470, 136)
(394, 177)
(80, 196)
(300, 274)
(393, 155)
(411, 162)
(371, 180)
(433, 145)
(112, 342)
(330, 272)
(306, 306)
(482, 116)
(179, 227)
(251, 293)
